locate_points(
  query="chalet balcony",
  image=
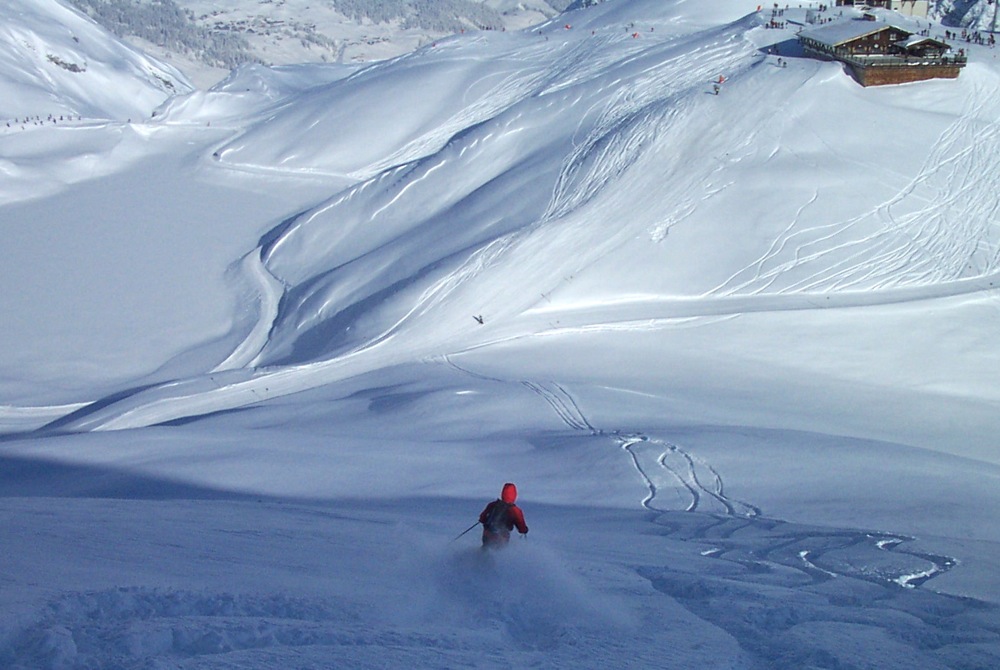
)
(901, 60)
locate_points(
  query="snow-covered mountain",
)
(55, 61)
(201, 37)
(268, 353)
(972, 14)
(206, 39)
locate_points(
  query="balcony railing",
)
(895, 60)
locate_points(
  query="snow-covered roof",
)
(914, 40)
(837, 33)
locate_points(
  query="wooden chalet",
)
(879, 53)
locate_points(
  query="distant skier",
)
(500, 517)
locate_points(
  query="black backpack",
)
(497, 521)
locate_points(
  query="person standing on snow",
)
(500, 517)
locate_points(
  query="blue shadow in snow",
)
(37, 477)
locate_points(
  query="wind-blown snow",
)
(271, 350)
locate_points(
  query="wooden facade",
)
(879, 53)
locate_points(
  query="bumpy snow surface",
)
(267, 353)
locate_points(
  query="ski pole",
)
(466, 531)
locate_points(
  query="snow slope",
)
(55, 61)
(197, 36)
(736, 350)
(607, 175)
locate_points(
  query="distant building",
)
(879, 53)
(905, 7)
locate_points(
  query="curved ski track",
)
(938, 230)
(736, 531)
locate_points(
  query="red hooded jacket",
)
(502, 516)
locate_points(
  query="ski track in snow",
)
(663, 465)
(939, 229)
(737, 531)
(634, 116)
(562, 403)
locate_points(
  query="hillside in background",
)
(726, 318)
(205, 38)
(55, 62)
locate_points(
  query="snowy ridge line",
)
(653, 308)
(233, 388)
(268, 294)
(13, 418)
(227, 389)
(506, 93)
(209, 394)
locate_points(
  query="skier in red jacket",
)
(500, 517)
